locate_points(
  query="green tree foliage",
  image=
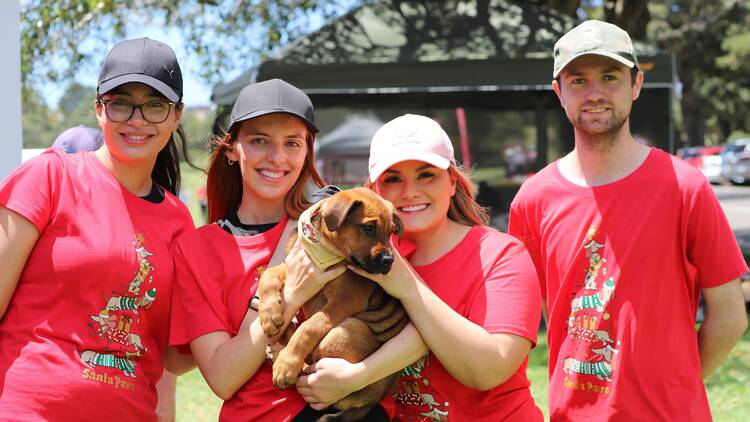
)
(42, 124)
(39, 121)
(710, 40)
(224, 35)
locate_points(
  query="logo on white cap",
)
(409, 137)
(591, 38)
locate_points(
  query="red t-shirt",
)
(217, 274)
(490, 280)
(621, 267)
(84, 333)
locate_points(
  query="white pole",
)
(10, 85)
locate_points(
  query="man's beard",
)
(598, 137)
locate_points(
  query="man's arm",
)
(725, 323)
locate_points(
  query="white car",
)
(736, 161)
(711, 168)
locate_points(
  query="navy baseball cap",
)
(142, 60)
(273, 96)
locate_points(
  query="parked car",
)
(707, 159)
(735, 165)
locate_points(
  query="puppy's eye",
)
(368, 229)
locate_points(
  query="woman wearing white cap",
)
(85, 244)
(256, 181)
(471, 292)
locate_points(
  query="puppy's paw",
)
(286, 369)
(271, 319)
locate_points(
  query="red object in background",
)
(464, 136)
(201, 192)
(695, 157)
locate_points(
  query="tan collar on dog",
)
(318, 253)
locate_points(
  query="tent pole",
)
(464, 136)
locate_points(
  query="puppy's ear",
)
(398, 226)
(335, 214)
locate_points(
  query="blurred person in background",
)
(79, 138)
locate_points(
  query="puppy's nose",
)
(383, 261)
(386, 259)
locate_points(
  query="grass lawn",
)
(728, 389)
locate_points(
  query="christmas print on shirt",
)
(119, 322)
(415, 397)
(589, 326)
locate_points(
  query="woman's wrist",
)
(362, 376)
(403, 279)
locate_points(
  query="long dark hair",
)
(224, 184)
(166, 171)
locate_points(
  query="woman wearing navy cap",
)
(85, 241)
(256, 181)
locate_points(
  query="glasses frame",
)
(135, 107)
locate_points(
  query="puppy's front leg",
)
(291, 359)
(270, 308)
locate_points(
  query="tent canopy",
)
(388, 47)
(351, 138)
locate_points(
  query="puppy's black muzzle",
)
(379, 264)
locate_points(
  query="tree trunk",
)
(631, 15)
(569, 7)
(694, 119)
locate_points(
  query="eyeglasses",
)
(122, 111)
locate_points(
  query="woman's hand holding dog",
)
(401, 280)
(330, 380)
(303, 278)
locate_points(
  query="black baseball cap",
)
(142, 60)
(273, 96)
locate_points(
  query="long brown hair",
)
(224, 184)
(463, 208)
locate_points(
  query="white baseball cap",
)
(409, 137)
(594, 37)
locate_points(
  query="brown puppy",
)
(351, 316)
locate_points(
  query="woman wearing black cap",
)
(85, 245)
(256, 182)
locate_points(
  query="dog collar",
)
(321, 256)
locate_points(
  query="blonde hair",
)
(463, 208)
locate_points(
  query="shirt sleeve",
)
(197, 308)
(510, 301)
(711, 246)
(33, 189)
(519, 227)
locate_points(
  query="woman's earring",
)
(230, 161)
